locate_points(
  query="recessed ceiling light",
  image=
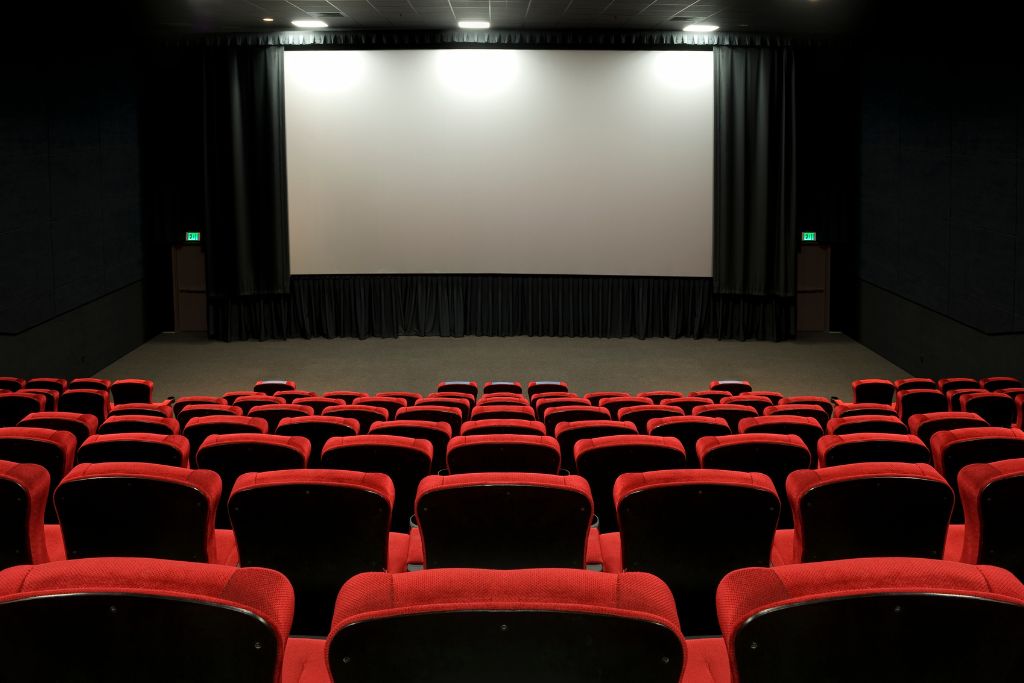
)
(309, 23)
(700, 28)
(268, 19)
(475, 24)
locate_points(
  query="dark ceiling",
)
(774, 16)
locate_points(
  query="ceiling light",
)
(268, 19)
(309, 23)
(700, 28)
(475, 24)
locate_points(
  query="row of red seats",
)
(890, 619)
(996, 399)
(689, 527)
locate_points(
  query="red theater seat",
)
(90, 383)
(858, 409)
(139, 510)
(150, 409)
(52, 450)
(774, 455)
(478, 427)
(485, 412)
(274, 414)
(565, 625)
(993, 514)
(232, 455)
(49, 396)
(503, 453)
(291, 395)
(542, 405)
(16, 406)
(422, 413)
(506, 400)
(247, 403)
(616, 403)
(546, 387)
(504, 520)
(437, 433)
(948, 384)
(366, 416)
(846, 449)
(82, 426)
(138, 424)
(1000, 383)
(860, 424)
(272, 386)
(318, 403)
(807, 428)
(49, 383)
(595, 397)
(688, 403)
(994, 408)
(129, 619)
(346, 396)
(714, 395)
(200, 428)
(731, 413)
(404, 460)
(926, 425)
(409, 396)
(883, 619)
(319, 528)
(820, 401)
(569, 433)
(737, 514)
(23, 491)
(956, 449)
(194, 410)
(914, 383)
(185, 401)
(389, 403)
(232, 396)
(759, 403)
(802, 410)
(502, 387)
(953, 397)
(603, 459)
(317, 429)
(916, 401)
(871, 509)
(463, 404)
(158, 449)
(11, 383)
(642, 415)
(459, 387)
(688, 430)
(659, 396)
(554, 416)
(873, 391)
(733, 386)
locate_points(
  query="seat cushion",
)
(707, 661)
(305, 661)
(226, 548)
(398, 552)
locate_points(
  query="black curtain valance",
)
(500, 305)
(539, 39)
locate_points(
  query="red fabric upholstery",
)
(272, 386)
(263, 592)
(49, 396)
(995, 408)
(947, 384)
(34, 482)
(152, 409)
(385, 427)
(194, 410)
(1019, 402)
(732, 386)
(119, 447)
(542, 405)
(82, 425)
(57, 448)
(873, 390)
(318, 403)
(632, 595)
(273, 414)
(564, 427)
(997, 383)
(616, 403)
(365, 415)
(503, 387)
(999, 442)
(232, 396)
(296, 444)
(854, 409)
(379, 484)
(553, 416)
(708, 445)
(860, 424)
(807, 428)
(207, 483)
(344, 395)
(972, 481)
(409, 396)
(634, 482)
(822, 401)
(90, 383)
(842, 449)
(713, 394)
(802, 409)
(247, 403)
(538, 451)
(926, 425)
(643, 414)
(748, 399)
(731, 413)
(483, 412)
(748, 592)
(914, 383)
(379, 441)
(389, 403)
(587, 447)
(546, 387)
(457, 394)
(289, 395)
(148, 424)
(57, 384)
(88, 401)
(476, 426)
(183, 401)
(659, 396)
(594, 397)
(305, 661)
(451, 415)
(505, 400)
(433, 484)
(799, 483)
(224, 424)
(914, 401)
(459, 386)
(688, 403)
(462, 403)
(12, 383)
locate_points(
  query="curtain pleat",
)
(499, 305)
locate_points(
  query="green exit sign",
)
(194, 236)
(808, 237)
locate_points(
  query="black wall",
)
(70, 210)
(942, 209)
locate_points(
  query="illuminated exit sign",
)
(194, 236)
(805, 237)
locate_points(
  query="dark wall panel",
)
(70, 217)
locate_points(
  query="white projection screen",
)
(500, 161)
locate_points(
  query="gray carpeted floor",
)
(182, 364)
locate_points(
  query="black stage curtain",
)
(755, 172)
(246, 187)
(499, 305)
